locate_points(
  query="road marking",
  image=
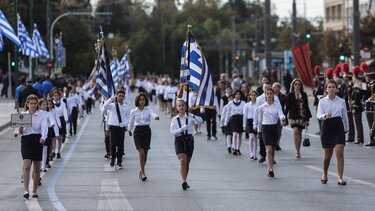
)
(33, 204)
(107, 167)
(52, 185)
(111, 196)
(358, 181)
(5, 130)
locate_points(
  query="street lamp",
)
(67, 14)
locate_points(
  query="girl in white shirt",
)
(332, 111)
(226, 126)
(268, 115)
(234, 117)
(32, 140)
(53, 132)
(248, 118)
(62, 112)
(181, 128)
(140, 117)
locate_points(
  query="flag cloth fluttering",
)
(7, 30)
(1, 42)
(114, 69)
(60, 48)
(27, 45)
(39, 44)
(194, 71)
(103, 74)
(90, 85)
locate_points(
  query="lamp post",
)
(67, 14)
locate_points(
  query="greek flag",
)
(7, 30)
(124, 67)
(1, 42)
(89, 86)
(198, 75)
(114, 69)
(103, 76)
(39, 44)
(27, 45)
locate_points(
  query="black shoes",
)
(278, 148)
(235, 152)
(229, 150)
(215, 138)
(112, 163)
(185, 186)
(324, 181)
(34, 195)
(26, 195)
(341, 183)
(262, 159)
(370, 145)
(108, 156)
(350, 140)
(271, 174)
(58, 156)
(119, 166)
(274, 162)
(40, 182)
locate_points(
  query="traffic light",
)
(342, 56)
(308, 34)
(13, 64)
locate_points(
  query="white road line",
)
(358, 181)
(107, 167)
(52, 185)
(111, 196)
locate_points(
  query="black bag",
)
(306, 139)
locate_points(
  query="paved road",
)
(83, 180)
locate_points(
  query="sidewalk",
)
(6, 109)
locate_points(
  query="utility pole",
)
(294, 22)
(267, 33)
(233, 40)
(31, 66)
(15, 27)
(48, 9)
(356, 22)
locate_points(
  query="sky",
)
(283, 8)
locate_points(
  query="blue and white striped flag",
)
(197, 73)
(27, 45)
(114, 69)
(1, 42)
(124, 67)
(39, 44)
(7, 30)
(103, 75)
(89, 86)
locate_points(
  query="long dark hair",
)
(137, 99)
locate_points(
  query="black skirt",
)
(51, 135)
(332, 132)
(31, 148)
(249, 127)
(142, 137)
(62, 130)
(270, 134)
(236, 124)
(184, 144)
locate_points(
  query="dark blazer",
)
(292, 110)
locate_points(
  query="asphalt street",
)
(83, 180)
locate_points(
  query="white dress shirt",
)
(61, 110)
(57, 122)
(39, 125)
(141, 117)
(248, 112)
(269, 114)
(73, 101)
(234, 109)
(335, 107)
(261, 99)
(113, 120)
(192, 120)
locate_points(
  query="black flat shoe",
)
(184, 185)
(26, 195)
(324, 181)
(271, 174)
(34, 195)
(144, 178)
(341, 183)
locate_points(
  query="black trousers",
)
(262, 147)
(117, 143)
(358, 126)
(351, 126)
(73, 121)
(107, 140)
(211, 122)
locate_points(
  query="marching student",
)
(62, 112)
(182, 127)
(107, 140)
(118, 118)
(248, 117)
(140, 120)
(32, 140)
(332, 111)
(53, 132)
(234, 117)
(226, 127)
(269, 114)
(73, 102)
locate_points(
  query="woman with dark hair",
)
(140, 118)
(32, 140)
(269, 114)
(61, 111)
(333, 113)
(298, 112)
(234, 117)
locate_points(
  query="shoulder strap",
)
(179, 122)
